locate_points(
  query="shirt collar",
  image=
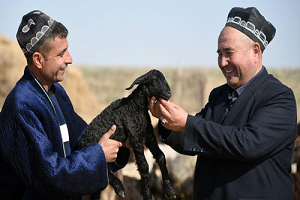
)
(243, 87)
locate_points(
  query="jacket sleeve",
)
(25, 145)
(270, 127)
(178, 140)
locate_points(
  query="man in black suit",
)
(244, 136)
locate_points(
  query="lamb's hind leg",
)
(143, 168)
(159, 156)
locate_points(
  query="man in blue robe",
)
(40, 131)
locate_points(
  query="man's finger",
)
(168, 105)
(152, 102)
(164, 112)
(153, 99)
(111, 131)
(154, 107)
(163, 102)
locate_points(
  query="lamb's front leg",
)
(115, 182)
(143, 168)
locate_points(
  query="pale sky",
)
(157, 32)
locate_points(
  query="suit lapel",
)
(244, 98)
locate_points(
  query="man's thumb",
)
(111, 131)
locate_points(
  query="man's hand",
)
(173, 117)
(154, 107)
(109, 146)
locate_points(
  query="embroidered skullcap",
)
(250, 22)
(34, 29)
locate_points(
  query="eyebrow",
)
(62, 52)
(225, 49)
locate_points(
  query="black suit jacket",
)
(247, 153)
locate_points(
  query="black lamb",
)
(131, 117)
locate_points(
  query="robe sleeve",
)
(26, 146)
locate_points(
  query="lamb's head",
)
(154, 84)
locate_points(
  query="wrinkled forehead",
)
(228, 33)
(230, 37)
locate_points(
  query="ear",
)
(139, 80)
(38, 59)
(256, 51)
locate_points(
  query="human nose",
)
(69, 59)
(223, 61)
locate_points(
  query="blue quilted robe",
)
(32, 160)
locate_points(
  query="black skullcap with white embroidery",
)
(250, 22)
(34, 29)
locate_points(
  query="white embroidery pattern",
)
(250, 27)
(26, 28)
(38, 35)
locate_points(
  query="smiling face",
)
(57, 60)
(239, 57)
(52, 61)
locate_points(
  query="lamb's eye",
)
(154, 82)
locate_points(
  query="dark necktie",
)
(232, 97)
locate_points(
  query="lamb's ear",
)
(139, 80)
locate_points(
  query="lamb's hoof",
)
(120, 190)
(122, 194)
(171, 198)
